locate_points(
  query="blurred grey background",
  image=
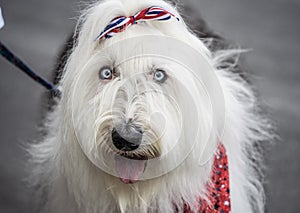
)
(37, 30)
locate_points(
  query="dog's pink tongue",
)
(129, 170)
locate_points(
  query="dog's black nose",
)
(127, 137)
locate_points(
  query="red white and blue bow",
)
(120, 24)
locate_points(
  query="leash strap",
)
(6, 53)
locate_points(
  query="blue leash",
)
(6, 53)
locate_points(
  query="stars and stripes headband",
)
(120, 24)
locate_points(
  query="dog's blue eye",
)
(160, 76)
(106, 73)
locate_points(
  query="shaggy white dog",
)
(140, 119)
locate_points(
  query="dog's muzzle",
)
(127, 137)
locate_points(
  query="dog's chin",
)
(130, 170)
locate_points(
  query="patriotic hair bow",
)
(121, 23)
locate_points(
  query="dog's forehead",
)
(135, 66)
(131, 55)
(143, 49)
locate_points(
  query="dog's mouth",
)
(130, 170)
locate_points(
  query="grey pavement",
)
(36, 31)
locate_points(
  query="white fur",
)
(74, 184)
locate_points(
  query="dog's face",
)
(128, 109)
(138, 104)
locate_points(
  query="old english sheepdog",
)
(155, 116)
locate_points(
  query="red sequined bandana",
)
(218, 190)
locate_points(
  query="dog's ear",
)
(174, 2)
(58, 71)
(63, 57)
(193, 19)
